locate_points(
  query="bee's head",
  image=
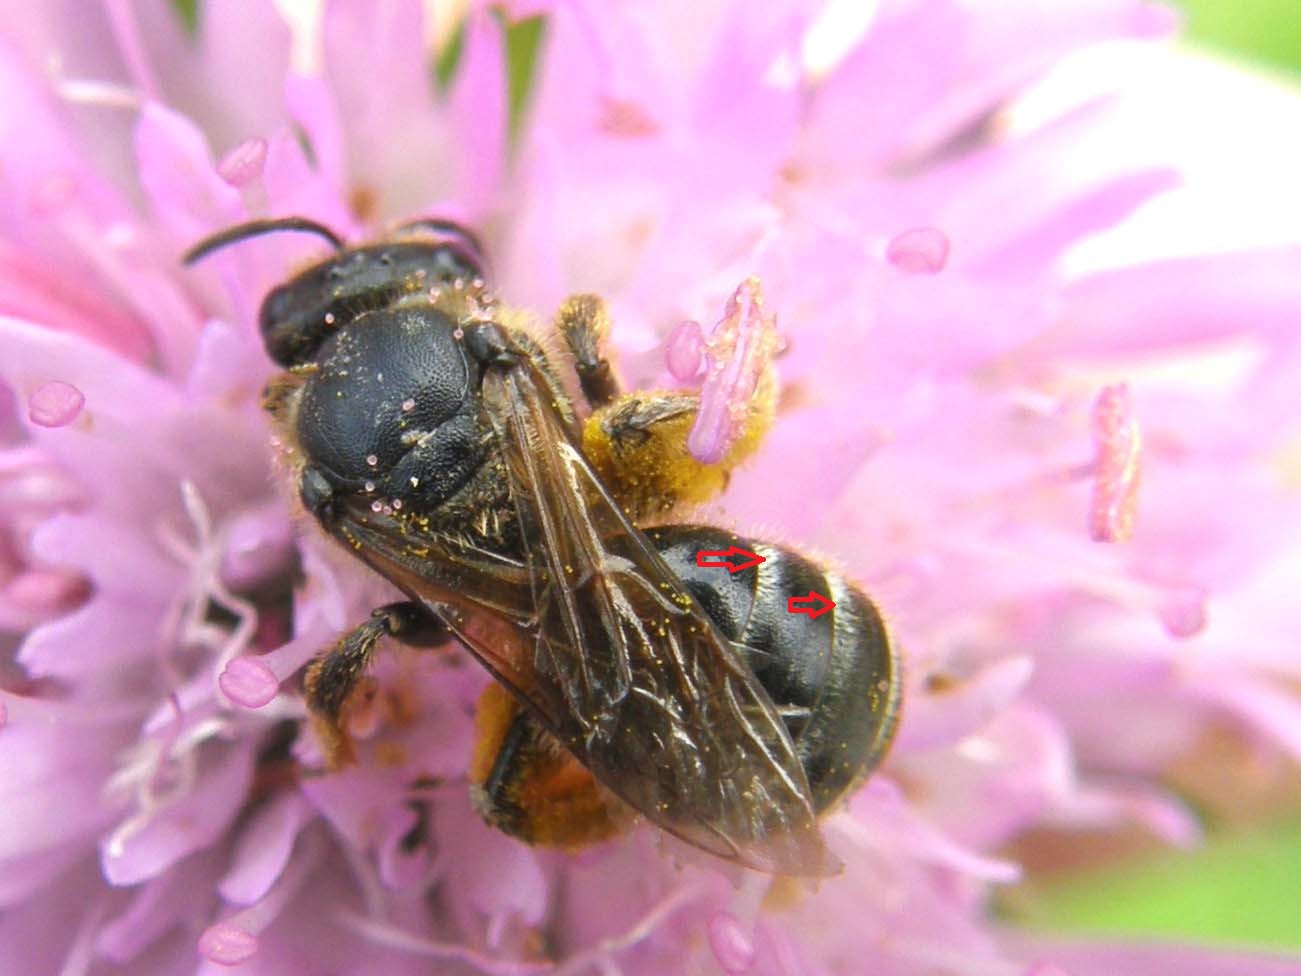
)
(297, 316)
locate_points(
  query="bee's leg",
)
(526, 785)
(335, 678)
(638, 445)
(585, 325)
(637, 442)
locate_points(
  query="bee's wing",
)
(629, 672)
(602, 641)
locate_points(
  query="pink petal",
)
(43, 772)
(1174, 303)
(478, 108)
(29, 291)
(946, 65)
(228, 78)
(732, 947)
(492, 875)
(312, 107)
(392, 176)
(684, 352)
(189, 824)
(958, 708)
(40, 935)
(263, 848)
(22, 878)
(186, 193)
(258, 546)
(100, 636)
(165, 901)
(1266, 708)
(401, 865)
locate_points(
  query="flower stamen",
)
(921, 250)
(227, 944)
(206, 587)
(732, 946)
(659, 913)
(391, 937)
(740, 352)
(235, 938)
(243, 164)
(55, 404)
(103, 94)
(1119, 466)
(127, 34)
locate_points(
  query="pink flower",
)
(963, 426)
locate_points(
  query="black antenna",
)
(440, 225)
(256, 228)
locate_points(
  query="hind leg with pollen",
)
(526, 785)
(637, 442)
(336, 685)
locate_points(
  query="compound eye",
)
(287, 342)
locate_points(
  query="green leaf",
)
(1264, 30)
(523, 46)
(187, 11)
(449, 58)
(1244, 890)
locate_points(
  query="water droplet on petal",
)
(1118, 467)
(55, 404)
(243, 164)
(731, 945)
(226, 944)
(248, 682)
(922, 250)
(684, 352)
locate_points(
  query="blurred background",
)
(1243, 887)
(1267, 31)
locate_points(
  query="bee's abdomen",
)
(834, 677)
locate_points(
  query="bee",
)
(428, 432)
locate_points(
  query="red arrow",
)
(754, 559)
(819, 606)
